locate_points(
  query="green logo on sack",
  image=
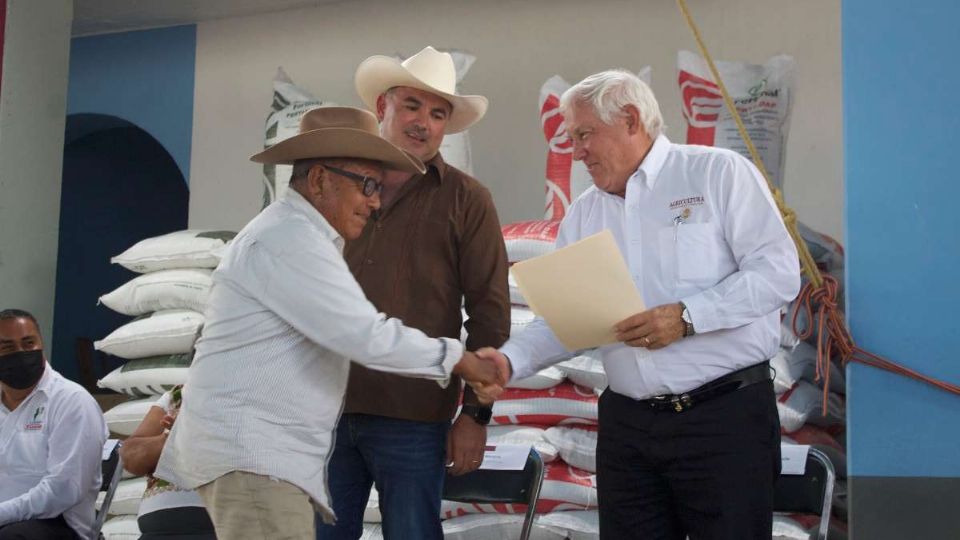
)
(756, 89)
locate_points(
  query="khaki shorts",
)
(244, 506)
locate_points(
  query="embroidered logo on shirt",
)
(687, 202)
(35, 424)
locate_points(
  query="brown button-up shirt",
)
(437, 244)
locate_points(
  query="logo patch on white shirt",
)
(687, 202)
(35, 424)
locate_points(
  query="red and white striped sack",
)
(529, 239)
(763, 95)
(566, 179)
(565, 403)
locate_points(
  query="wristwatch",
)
(481, 414)
(687, 321)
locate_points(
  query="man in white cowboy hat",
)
(284, 320)
(435, 245)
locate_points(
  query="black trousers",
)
(707, 472)
(184, 523)
(38, 529)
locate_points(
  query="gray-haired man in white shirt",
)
(689, 440)
(51, 436)
(285, 318)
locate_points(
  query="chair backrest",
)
(111, 469)
(809, 493)
(487, 486)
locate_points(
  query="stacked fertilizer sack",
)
(168, 300)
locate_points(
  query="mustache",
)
(417, 131)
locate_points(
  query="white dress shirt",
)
(50, 453)
(266, 388)
(698, 225)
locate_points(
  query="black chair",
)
(485, 487)
(809, 493)
(111, 469)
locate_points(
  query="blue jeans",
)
(405, 459)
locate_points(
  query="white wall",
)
(32, 117)
(518, 44)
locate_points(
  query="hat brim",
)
(339, 142)
(377, 74)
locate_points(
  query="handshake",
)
(486, 370)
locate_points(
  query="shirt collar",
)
(438, 164)
(300, 204)
(46, 381)
(652, 163)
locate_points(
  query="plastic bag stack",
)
(167, 299)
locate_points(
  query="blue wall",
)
(901, 86)
(144, 77)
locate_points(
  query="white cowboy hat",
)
(341, 132)
(428, 70)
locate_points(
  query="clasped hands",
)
(486, 373)
(487, 370)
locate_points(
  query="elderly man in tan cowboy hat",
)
(284, 320)
(433, 246)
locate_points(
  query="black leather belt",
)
(730, 382)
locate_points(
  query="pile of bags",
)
(167, 299)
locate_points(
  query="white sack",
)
(496, 526)
(121, 528)
(523, 435)
(150, 376)
(124, 418)
(126, 500)
(181, 249)
(186, 288)
(290, 103)
(586, 370)
(579, 524)
(577, 446)
(545, 378)
(161, 333)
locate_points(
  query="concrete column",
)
(33, 100)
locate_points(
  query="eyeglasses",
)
(368, 185)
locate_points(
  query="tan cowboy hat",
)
(429, 70)
(341, 132)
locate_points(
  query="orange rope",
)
(832, 334)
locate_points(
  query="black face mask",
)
(22, 369)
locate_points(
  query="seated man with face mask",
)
(51, 436)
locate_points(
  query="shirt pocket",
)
(29, 454)
(691, 255)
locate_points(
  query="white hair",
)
(608, 92)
